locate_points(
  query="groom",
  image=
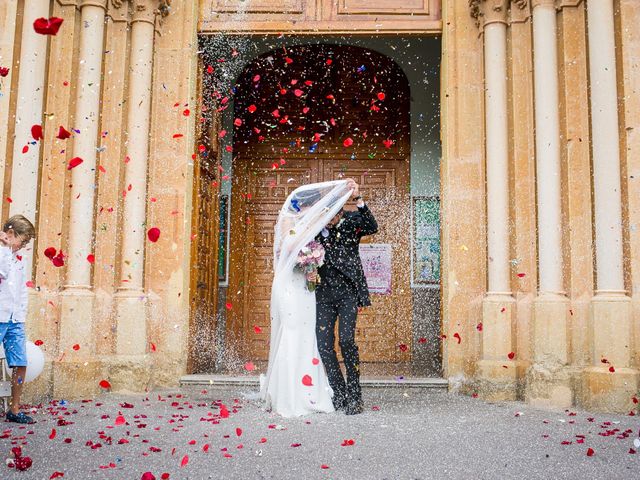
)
(342, 289)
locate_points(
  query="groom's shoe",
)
(339, 402)
(354, 408)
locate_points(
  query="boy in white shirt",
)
(16, 233)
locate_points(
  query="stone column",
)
(77, 299)
(31, 87)
(498, 305)
(611, 317)
(131, 301)
(548, 381)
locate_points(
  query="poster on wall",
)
(376, 261)
(426, 240)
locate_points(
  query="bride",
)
(296, 382)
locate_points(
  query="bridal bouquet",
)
(310, 258)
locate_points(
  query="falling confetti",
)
(49, 26)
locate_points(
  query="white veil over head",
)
(304, 214)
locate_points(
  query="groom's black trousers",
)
(331, 303)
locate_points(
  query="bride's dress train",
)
(296, 383)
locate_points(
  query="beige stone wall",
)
(164, 322)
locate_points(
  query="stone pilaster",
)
(131, 300)
(498, 306)
(607, 385)
(77, 298)
(548, 380)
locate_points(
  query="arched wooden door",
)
(309, 114)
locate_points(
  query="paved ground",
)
(404, 434)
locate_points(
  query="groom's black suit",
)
(342, 289)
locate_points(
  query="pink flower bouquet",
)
(310, 258)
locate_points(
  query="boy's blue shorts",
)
(14, 342)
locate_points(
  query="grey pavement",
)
(403, 434)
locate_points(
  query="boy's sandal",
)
(19, 418)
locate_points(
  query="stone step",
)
(368, 382)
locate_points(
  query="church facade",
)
(496, 141)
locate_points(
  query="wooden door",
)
(365, 97)
(204, 252)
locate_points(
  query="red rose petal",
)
(238, 431)
(184, 461)
(315, 361)
(307, 381)
(53, 433)
(30, 284)
(511, 355)
(297, 92)
(104, 384)
(36, 132)
(457, 337)
(50, 252)
(91, 258)
(63, 133)
(381, 96)
(37, 343)
(348, 142)
(74, 162)
(120, 420)
(49, 26)
(324, 467)
(249, 366)
(76, 347)
(4, 71)
(153, 234)
(590, 452)
(25, 149)
(237, 122)
(252, 108)
(148, 476)
(56, 475)
(611, 369)
(257, 329)
(228, 305)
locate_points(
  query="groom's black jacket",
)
(342, 250)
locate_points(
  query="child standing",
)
(16, 233)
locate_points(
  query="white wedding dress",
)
(296, 383)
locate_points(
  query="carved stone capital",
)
(520, 11)
(568, 3)
(489, 11)
(93, 3)
(543, 3)
(148, 10)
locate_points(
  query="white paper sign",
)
(376, 261)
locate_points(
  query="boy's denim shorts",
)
(14, 342)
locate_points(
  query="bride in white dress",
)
(296, 382)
